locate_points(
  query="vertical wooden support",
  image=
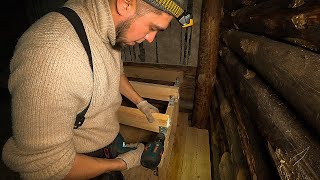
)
(207, 62)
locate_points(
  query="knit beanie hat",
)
(169, 6)
(174, 8)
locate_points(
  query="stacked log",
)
(292, 71)
(297, 22)
(228, 118)
(293, 149)
(254, 151)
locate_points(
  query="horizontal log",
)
(280, 127)
(292, 71)
(299, 25)
(252, 143)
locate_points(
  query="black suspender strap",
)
(76, 22)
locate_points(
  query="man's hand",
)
(133, 157)
(147, 109)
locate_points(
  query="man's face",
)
(140, 28)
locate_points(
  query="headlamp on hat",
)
(173, 8)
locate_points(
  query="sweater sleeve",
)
(48, 87)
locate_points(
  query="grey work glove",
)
(147, 109)
(133, 157)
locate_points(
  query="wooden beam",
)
(276, 122)
(155, 91)
(154, 74)
(135, 118)
(208, 55)
(298, 25)
(292, 71)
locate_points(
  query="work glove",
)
(133, 157)
(147, 109)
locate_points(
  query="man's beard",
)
(121, 30)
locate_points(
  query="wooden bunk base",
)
(190, 155)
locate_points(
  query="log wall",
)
(264, 118)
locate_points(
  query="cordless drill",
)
(152, 153)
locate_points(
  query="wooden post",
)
(292, 71)
(298, 25)
(208, 55)
(296, 150)
(252, 144)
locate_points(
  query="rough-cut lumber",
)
(231, 127)
(297, 151)
(208, 56)
(292, 71)
(252, 143)
(298, 25)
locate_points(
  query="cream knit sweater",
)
(51, 82)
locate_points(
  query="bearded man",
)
(51, 82)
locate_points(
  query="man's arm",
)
(86, 167)
(127, 90)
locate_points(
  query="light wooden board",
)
(134, 117)
(176, 162)
(155, 91)
(197, 155)
(141, 173)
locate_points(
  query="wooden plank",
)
(155, 91)
(176, 162)
(186, 88)
(134, 117)
(203, 164)
(197, 155)
(172, 110)
(154, 74)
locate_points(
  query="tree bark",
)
(292, 71)
(252, 143)
(298, 25)
(296, 150)
(231, 128)
(208, 55)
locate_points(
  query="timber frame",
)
(164, 122)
